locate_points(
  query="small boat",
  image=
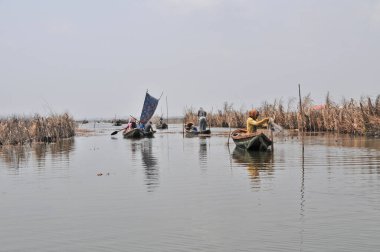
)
(193, 133)
(149, 107)
(251, 141)
(137, 133)
(119, 122)
(161, 126)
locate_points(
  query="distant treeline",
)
(19, 130)
(360, 117)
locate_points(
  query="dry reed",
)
(353, 117)
(20, 130)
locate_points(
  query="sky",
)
(96, 59)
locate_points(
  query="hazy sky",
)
(97, 58)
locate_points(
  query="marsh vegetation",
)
(20, 130)
(359, 117)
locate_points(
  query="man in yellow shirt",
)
(253, 123)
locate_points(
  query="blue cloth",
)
(150, 105)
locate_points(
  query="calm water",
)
(172, 193)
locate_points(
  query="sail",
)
(150, 105)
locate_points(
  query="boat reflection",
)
(256, 163)
(150, 164)
(203, 153)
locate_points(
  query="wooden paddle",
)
(117, 131)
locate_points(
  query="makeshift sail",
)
(150, 105)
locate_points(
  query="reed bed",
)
(20, 130)
(358, 117)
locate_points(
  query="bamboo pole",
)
(229, 134)
(301, 112)
(271, 136)
(167, 112)
(183, 127)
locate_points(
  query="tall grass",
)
(360, 117)
(20, 130)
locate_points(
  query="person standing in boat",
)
(148, 127)
(253, 123)
(202, 119)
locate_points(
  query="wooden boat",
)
(193, 133)
(150, 105)
(161, 126)
(251, 141)
(137, 133)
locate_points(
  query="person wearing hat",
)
(253, 123)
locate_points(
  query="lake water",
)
(171, 193)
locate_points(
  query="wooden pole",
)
(229, 136)
(183, 127)
(167, 112)
(209, 125)
(301, 112)
(271, 136)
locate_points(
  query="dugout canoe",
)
(161, 126)
(192, 133)
(257, 141)
(137, 133)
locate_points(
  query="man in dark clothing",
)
(202, 119)
(148, 127)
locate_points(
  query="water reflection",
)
(338, 140)
(255, 162)
(149, 162)
(203, 152)
(16, 157)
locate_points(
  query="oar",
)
(115, 132)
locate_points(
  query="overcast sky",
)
(97, 58)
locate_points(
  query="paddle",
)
(117, 131)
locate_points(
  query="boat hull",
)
(161, 126)
(137, 133)
(251, 141)
(205, 133)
